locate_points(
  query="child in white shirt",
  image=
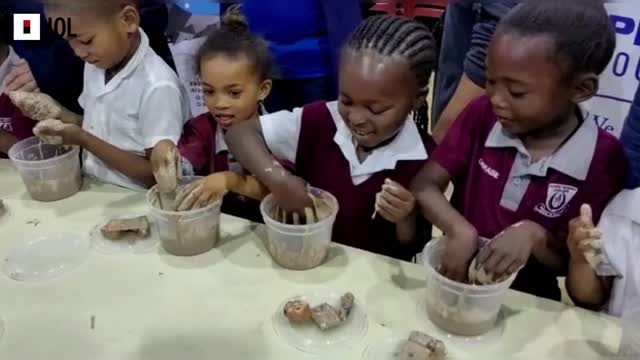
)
(131, 98)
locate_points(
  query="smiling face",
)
(528, 89)
(103, 41)
(232, 89)
(377, 93)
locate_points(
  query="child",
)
(522, 159)
(131, 97)
(13, 125)
(364, 144)
(604, 270)
(235, 69)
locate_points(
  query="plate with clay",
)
(321, 322)
(125, 234)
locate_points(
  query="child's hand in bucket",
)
(35, 105)
(459, 249)
(584, 238)
(166, 166)
(202, 193)
(56, 132)
(394, 203)
(292, 194)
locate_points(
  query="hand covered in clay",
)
(202, 193)
(166, 165)
(56, 132)
(510, 250)
(458, 251)
(292, 194)
(584, 238)
(21, 78)
(37, 106)
(394, 203)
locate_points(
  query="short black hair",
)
(234, 39)
(98, 7)
(396, 36)
(584, 37)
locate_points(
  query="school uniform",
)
(205, 152)
(496, 185)
(620, 228)
(11, 118)
(319, 143)
(141, 105)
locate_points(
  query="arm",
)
(406, 229)
(246, 185)
(7, 140)
(585, 287)
(466, 91)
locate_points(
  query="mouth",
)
(361, 133)
(224, 120)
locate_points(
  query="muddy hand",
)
(37, 106)
(52, 131)
(201, 193)
(21, 78)
(166, 166)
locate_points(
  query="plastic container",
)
(457, 308)
(299, 247)
(49, 172)
(186, 233)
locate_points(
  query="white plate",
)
(490, 338)
(127, 245)
(389, 347)
(309, 338)
(43, 257)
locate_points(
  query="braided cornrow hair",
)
(396, 36)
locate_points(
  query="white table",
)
(219, 305)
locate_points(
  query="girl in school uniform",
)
(235, 69)
(364, 148)
(522, 159)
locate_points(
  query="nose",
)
(79, 50)
(220, 103)
(498, 101)
(356, 117)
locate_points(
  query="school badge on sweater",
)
(558, 198)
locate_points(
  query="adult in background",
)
(630, 138)
(304, 38)
(468, 28)
(50, 64)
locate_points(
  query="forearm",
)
(245, 185)
(546, 251)
(247, 144)
(439, 211)
(69, 117)
(584, 286)
(466, 91)
(132, 165)
(406, 229)
(7, 140)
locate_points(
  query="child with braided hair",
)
(364, 148)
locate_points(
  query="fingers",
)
(185, 198)
(386, 210)
(586, 215)
(397, 191)
(483, 255)
(491, 264)
(502, 268)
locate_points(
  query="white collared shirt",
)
(6, 66)
(142, 104)
(281, 132)
(620, 228)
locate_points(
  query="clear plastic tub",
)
(49, 172)
(460, 309)
(186, 233)
(299, 247)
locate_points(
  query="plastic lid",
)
(130, 244)
(389, 348)
(309, 338)
(486, 340)
(43, 257)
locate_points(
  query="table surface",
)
(220, 305)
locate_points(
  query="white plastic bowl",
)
(299, 247)
(49, 172)
(460, 309)
(186, 233)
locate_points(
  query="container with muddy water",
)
(458, 308)
(49, 172)
(186, 233)
(300, 247)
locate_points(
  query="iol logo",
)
(27, 26)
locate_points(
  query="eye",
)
(345, 101)
(517, 94)
(86, 42)
(376, 111)
(235, 93)
(208, 92)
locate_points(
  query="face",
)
(528, 90)
(377, 93)
(102, 41)
(232, 88)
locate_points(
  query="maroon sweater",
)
(320, 162)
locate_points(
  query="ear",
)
(584, 87)
(130, 18)
(421, 97)
(265, 89)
